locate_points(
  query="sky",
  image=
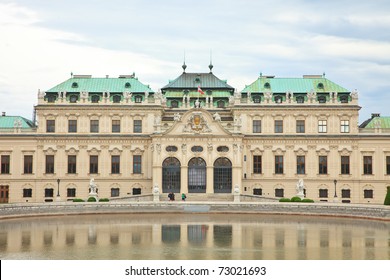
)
(43, 41)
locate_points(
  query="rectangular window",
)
(301, 165)
(278, 164)
(116, 126)
(278, 126)
(257, 164)
(137, 126)
(367, 165)
(72, 164)
(71, 192)
(93, 164)
(300, 126)
(137, 162)
(72, 126)
(114, 192)
(49, 192)
(323, 165)
(257, 126)
(323, 193)
(28, 165)
(50, 126)
(94, 126)
(115, 164)
(322, 126)
(388, 165)
(49, 164)
(27, 192)
(5, 164)
(344, 127)
(345, 165)
(345, 193)
(279, 192)
(368, 194)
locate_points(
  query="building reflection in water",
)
(193, 237)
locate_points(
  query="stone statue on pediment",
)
(41, 94)
(176, 117)
(355, 94)
(217, 117)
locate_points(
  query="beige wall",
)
(238, 137)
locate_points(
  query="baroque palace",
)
(197, 135)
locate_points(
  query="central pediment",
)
(197, 121)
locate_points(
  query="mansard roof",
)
(307, 83)
(376, 121)
(9, 122)
(193, 80)
(80, 83)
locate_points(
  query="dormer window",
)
(116, 99)
(75, 85)
(300, 99)
(256, 99)
(267, 85)
(95, 98)
(321, 99)
(320, 86)
(73, 98)
(174, 104)
(197, 80)
(127, 85)
(138, 99)
(220, 104)
(344, 98)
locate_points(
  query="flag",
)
(200, 91)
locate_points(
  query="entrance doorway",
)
(4, 193)
(222, 175)
(171, 175)
(196, 175)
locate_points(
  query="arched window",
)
(171, 149)
(127, 85)
(196, 149)
(171, 175)
(267, 85)
(174, 104)
(222, 175)
(196, 175)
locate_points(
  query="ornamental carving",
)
(197, 124)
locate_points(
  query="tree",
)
(387, 198)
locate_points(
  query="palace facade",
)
(197, 135)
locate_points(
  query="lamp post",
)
(335, 191)
(58, 189)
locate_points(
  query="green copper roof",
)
(89, 84)
(384, 122)
(296, 85)
(9, 122)
(193, 80)
(214, 93)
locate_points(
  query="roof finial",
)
(184, 63)
(71, 74)
(211, 62)
(261, 74)
(323, 75)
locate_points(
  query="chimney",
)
(3, 114)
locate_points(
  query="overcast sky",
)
(43, 41)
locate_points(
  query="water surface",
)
(194, 236)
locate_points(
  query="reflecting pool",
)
(194, 236)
